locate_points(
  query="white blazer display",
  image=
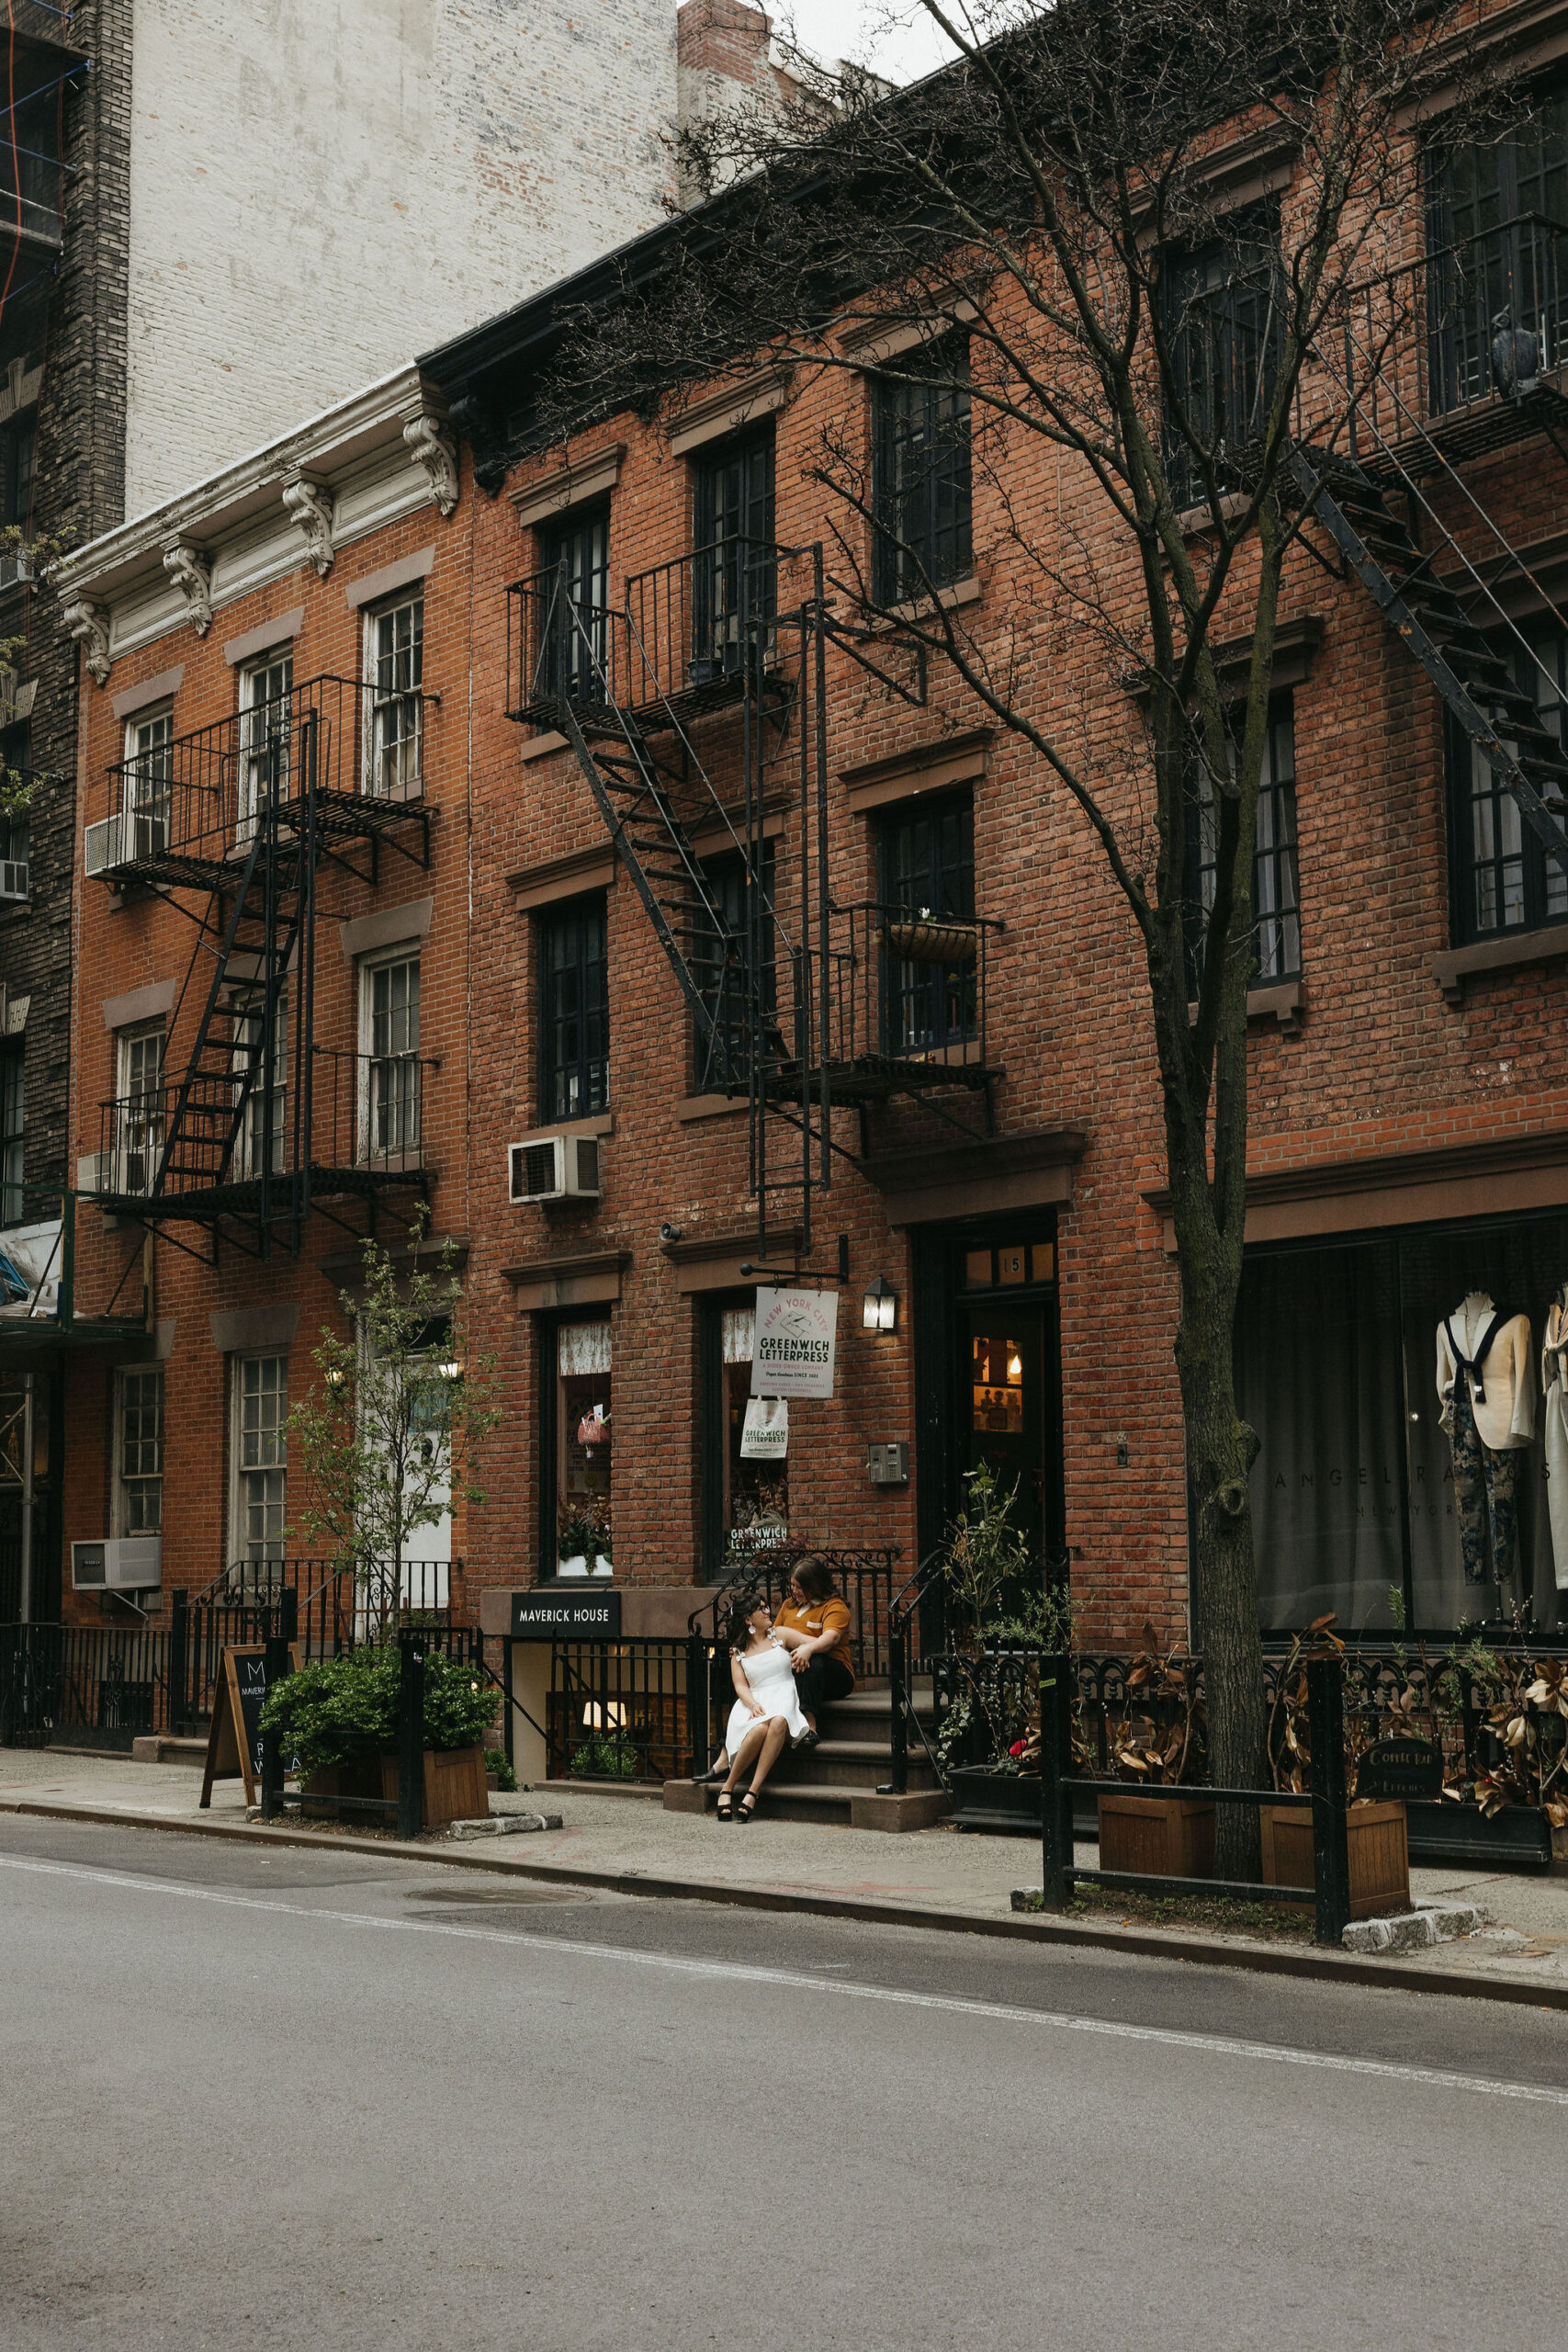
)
(1555, 1406)
(1505, 1412)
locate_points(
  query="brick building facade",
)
(218, 228)
(997, 1172)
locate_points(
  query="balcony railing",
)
(689, 637)
(909, 992)
(181, 810)
(365, 1121)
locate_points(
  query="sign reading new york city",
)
(796, 1335)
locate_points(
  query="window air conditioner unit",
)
(561, 1168)
(122, 839)
(124, 1564)
(94, 1172)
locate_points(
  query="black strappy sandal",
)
(725, 1810)
(748, 1807)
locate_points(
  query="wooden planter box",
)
(453, 1785)
(1160, 1836)
(362, 1778)
(1519, 1838)
(996, 1801)
(1379, 1856)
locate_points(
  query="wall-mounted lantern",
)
(879, 1308)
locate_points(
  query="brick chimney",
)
(723, 38)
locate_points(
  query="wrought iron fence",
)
(619, 1711)
(81, 1686)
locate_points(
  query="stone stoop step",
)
(837, 1807)
(838, 1780)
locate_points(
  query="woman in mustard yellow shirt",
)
(821, 1660)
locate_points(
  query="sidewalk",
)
(935, 1872)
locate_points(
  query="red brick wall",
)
(1380, 1063)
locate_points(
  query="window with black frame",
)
(927, 859)
(574, 1011)
(1501, 879)
(725, 976)
(1496, 243)
(734, 585)
(574, 628)
(1222, 326)
(1276, 907)
(923, 489)
(16, 775)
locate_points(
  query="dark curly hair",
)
(814, 1577)
(737, 1629)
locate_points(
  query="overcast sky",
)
(857, 29)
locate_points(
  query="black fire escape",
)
(250, 1122)
(794, 997)
(1420, 369)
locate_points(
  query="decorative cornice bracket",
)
(191, 573)
(310, 507)
(434, 447)
(89, 625)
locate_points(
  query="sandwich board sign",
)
(233, 1744)
(797, 1333)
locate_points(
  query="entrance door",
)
(1008, 1406)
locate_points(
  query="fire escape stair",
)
(1477, 686)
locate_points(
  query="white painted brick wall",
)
(321, 189)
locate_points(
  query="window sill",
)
(601, 1124)
(540, 747)
(962, 592)
(1284, 1002)
(708, 1106)
(1506, 952)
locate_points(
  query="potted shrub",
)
(576, 1538)
(987, 1746)
(338, 1720)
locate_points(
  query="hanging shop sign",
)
(795, 1337)
(1400, 1767)
(765, 1433)
(539, 1616)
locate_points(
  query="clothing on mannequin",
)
(1555, 1408)
(1486, 1383)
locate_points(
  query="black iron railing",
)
(178, 810)
(82, 1686)
(688, 636)
(910, 987)
(619, 1711)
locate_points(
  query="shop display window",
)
(756, 1494)
(1353, 1493)
(583, 1441)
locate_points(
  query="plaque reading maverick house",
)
(541, 1616)
(1401, 1766)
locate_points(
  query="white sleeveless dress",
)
(774, 1688)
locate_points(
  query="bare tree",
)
(1046, 232)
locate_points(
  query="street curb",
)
(1323, 1967)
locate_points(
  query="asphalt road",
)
(311, 2099)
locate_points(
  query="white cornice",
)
(336, 447)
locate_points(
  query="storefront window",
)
(756, 1488)
(1356, 1506)
(583, 1441)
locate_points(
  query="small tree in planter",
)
(389, 1439)
(343, 1712)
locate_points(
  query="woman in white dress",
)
(766, 1714)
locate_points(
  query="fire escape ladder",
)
(1440, 626)
(208, 1113)
(652, 844)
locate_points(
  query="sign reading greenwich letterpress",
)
(541, 1616)
(1401, 1766)
(797, 1334)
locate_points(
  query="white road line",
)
(1217, 2045)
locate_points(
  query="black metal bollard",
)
(179, 1654)
(1056, 1802)
(410, 1737)
(899, 1696)
(1330, 1839)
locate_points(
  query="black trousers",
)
(822, 1680)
